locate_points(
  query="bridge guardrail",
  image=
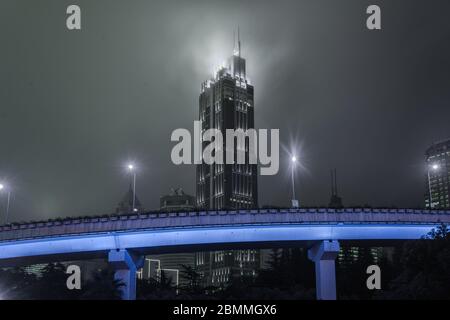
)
(152, 220)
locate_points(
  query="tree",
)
(51, 285)
(351, 273)
(193, 285)
(103, 286)
(156, 289)
(425, 268)
(290, 276)
(15, 284)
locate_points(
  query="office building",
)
(437, 160)
(227, 102)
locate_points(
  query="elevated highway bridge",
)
(124, 240)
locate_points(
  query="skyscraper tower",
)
(226, 102)
(437, 158)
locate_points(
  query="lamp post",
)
(294, 201)
(2, 187)
(433, 167)
(131, 168)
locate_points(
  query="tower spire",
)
(239, 42)
(332, 182)
(335, 182)
(236, 44)
(335, 200)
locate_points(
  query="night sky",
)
(75, 106)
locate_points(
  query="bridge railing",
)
(156, 220)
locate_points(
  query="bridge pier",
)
(324, 255)
(125, 265)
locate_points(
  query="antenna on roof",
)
(234, 41)
(334, 190)
(332, 183)
(335, 182)
(335, 201)
(239, 42)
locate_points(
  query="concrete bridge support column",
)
(324, 255)
(125, 265)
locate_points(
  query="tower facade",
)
(437, 159)
(227, 102)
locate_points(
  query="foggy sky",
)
(75, 106)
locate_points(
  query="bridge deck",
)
(138, 235)
(146, 221)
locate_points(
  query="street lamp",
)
(294, 201)
(2, 187)
(433, 167)
(131, 169)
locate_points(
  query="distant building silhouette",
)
(360, 253)
(126, 205)
(177, 200)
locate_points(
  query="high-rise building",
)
(219, 267)
(437, 159)
(351, 254)
(227, 102)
